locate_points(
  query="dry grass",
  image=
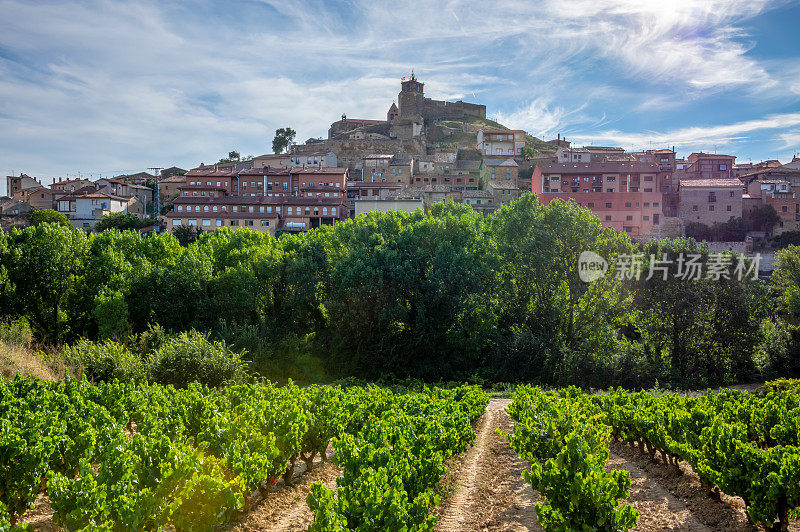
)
(19, 359)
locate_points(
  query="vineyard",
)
(742, 444)
(147, 457)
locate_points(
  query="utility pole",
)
(157, 214)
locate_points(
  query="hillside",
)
(462, 133)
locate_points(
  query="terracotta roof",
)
(174, 179)
(316, 170)
(477, 194)
(504, 184)
(499, 161)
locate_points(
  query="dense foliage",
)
(742, 444)
(449, 294)
(146, 457)
(567, 445)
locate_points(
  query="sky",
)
(101, 87)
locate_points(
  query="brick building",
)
(625, 196)
(710, 201)
(706, 166)
(263, 199)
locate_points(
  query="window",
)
(324, 211)
(783, 209)
(206, 222)
(248, 223)
(192, 222)
(608, 217)
(731, 193)
(694, 208)
(723, 167)
(180, 208)
(197, 208)
(627, 204)
(590, 204)
(646, 204)
(608, 205)
(711, 208)
(234, 223)
(289, 212)
(214, 208)
(728, 208)
(205, 208)
(645, 218)
(219, 223)
(235, 208)
(176, 221)
(264, 223)
(629, 218)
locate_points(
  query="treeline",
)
(447, 295)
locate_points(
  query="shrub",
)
(192, 357)
(105, 361)
(16, 332)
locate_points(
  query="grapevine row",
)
(124, 456)
(566, 441)
(742, 444)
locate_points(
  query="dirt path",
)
(490, 493)
(285, 508)
(658, 508)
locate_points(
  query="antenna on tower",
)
(157, 214)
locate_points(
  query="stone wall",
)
(350, 152)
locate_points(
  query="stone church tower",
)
(411, 100)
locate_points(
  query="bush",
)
(16, 332)
(105, 361)
(778, 353)
(192, 357)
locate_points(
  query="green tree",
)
(702, 329)
(186, 234)
(40, 216)
(283, 137)
(118, 220)
(764, 218)
(46, 266)
(786, 279)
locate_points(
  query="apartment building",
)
(701, 165)
(625, 196)
(501, 169)
(264, 199)
(501, 141)
(780, 195)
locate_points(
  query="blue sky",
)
(107, 87)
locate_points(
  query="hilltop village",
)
(426, 151)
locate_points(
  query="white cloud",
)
(99, 85)
(724, 135)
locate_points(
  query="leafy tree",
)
(233, 156)
(786, 279)
(118, 220)
(40, 216)
(45, 266)
(764, 218)
(186, 234)
(283, 137)
(703, 329)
